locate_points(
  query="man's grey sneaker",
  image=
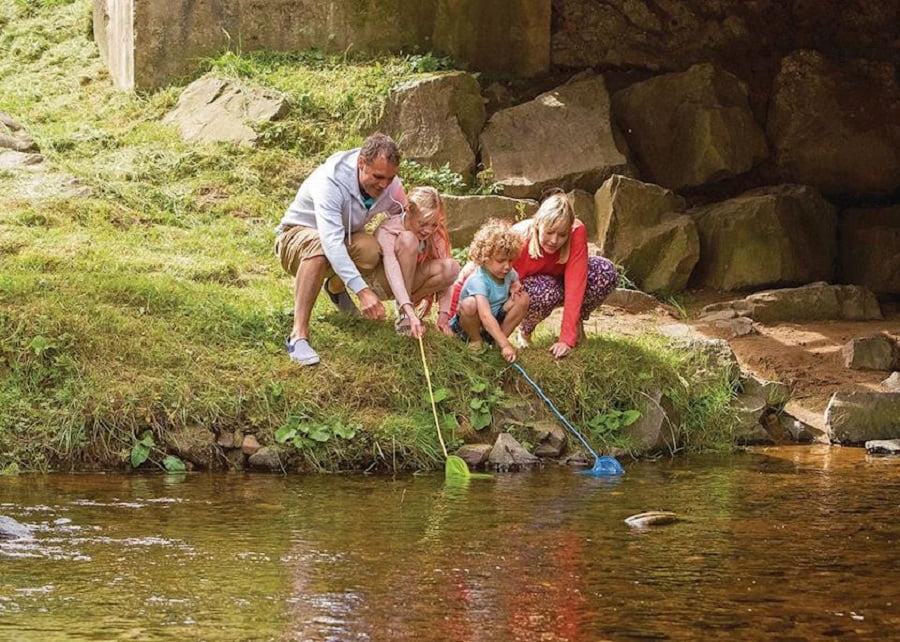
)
(342, 301)
(300, 351)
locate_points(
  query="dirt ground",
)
(805, 356)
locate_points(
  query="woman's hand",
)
(560, 349)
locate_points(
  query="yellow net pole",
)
(437, 424)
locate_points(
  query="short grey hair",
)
(379, 144)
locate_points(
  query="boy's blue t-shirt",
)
(484, 284)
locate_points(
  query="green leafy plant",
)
(302, 433)
(140, 450)
(607, 424)
(481, 407)
(443, 179)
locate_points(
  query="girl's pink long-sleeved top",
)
(386, 235)
(573, 271)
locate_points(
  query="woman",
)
(556, 270)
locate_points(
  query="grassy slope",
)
(156, 303)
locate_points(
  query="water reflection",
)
(785, 542)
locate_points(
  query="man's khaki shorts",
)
(297, 243)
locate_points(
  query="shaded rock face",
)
(691, 128)
(465, 214)
(437, 120)
(782, 235)
(562, 138)
(642, 227)
(878, 231)
(675, 35)
(215, 110)
(836, 125)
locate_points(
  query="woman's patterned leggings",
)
(546, 292)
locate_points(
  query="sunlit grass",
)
(155, 302)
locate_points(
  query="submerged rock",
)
(11, 529)
(651, 518)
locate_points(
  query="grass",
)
(155, 302)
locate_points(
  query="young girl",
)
(491, 300)
(556, 270)
(417, 262)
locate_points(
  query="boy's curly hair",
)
(494, 239)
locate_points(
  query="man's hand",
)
(370, 305)
(508, 352)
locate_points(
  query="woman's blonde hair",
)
(494, 239)
(555, 213)
(426, 202)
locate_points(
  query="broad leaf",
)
(285, 433)
(173, 464)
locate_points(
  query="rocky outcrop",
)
(465, 214)
(689, 128)
(642, 227)
(216, 110)
(437, 120)
(816, 301)
(561, 139)
(836, 126)
(878, 231)
(782, 235)
(857, 417)
(746, 35)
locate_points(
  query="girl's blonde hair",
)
(426, 203)
(555, 213)
(494, 239)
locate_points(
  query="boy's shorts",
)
(485, 335)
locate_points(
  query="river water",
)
(783, 543)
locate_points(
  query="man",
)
(321, 235)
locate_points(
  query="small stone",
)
(474, 454)
(892, 383)
(883, 447)
(265, 458)
(651, 518)
(250, 445)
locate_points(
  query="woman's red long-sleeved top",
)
(573, 271)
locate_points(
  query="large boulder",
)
(781, 235)
(642, 227)
(465, 214)
(562, 138)
(876, 352)
(836, 125)
(870, 248)
(215, 110)
(437, 120)
(690, 128)
(857, 417)
(813, 302)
